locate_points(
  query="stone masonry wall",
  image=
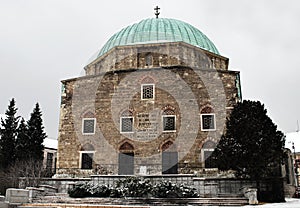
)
(184, 90)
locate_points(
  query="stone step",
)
(37, 206)
(51, 201)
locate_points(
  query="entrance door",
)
(126, 163)
(169, 162)
(87, 160)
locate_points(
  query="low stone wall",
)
(219, 187)
(62, 184)
(206, 187)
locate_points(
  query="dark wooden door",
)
(126, 163)
(169, 162)
(87, 161)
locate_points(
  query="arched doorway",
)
(169, 158)
(126, 159)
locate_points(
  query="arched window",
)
(86, 156)
(126, 122)
(208, 121)
(169, 120)
(206, 151)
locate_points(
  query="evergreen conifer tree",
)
(8, 134)
(252, 145)
(36, 134)
(22, 142)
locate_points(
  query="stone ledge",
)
(237, 201)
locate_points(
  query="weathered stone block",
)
(16, 196)
(3, 204)
(251, 194)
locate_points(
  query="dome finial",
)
(156, 11)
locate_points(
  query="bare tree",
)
(30, 171)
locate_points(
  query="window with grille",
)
(207, 150)
(149, 60)
(126, 124)
(208, 122)
(209, 161)
(49, 161)
(147, 91)
(169, 123)
(88, 126)
(87, 160)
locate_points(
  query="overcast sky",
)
(45, 41)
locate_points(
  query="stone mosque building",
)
(153, 101)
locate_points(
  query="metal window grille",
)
(127, 124)
(148, 92)
(209, 161)
(49, 161)
(169, 123)
(208, 122)
(89, 126)
(149, 60)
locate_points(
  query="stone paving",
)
(290, 203)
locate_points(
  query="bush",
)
(80, 190)
(100, 191)
(167, 189)
(87, 189)
(134, 187)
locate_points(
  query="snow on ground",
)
(290, 203)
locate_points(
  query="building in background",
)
(50, 155)
(292, 142)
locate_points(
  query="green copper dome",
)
(159, 30)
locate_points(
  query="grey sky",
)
(43, 42)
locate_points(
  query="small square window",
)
(148, 92)
(127, 124)
(88, 126)
(169, 123)
(208, 122)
